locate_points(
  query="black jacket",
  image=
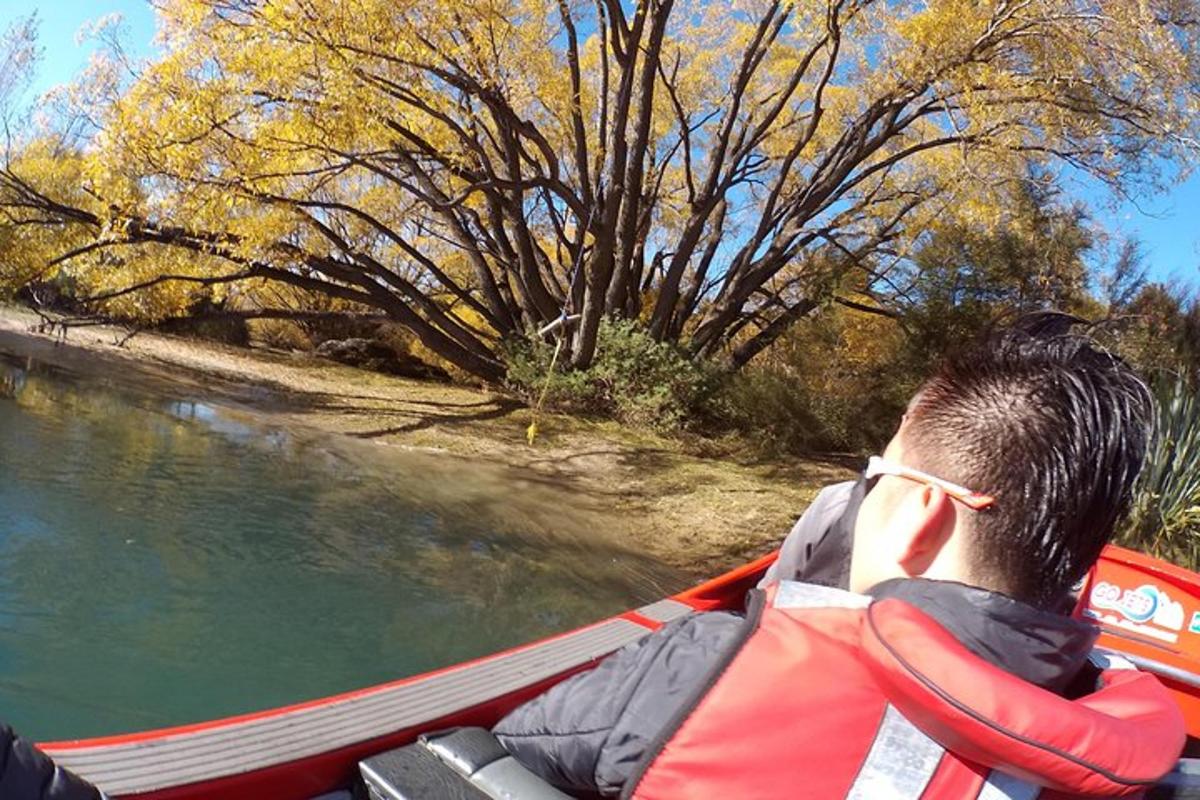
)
(587, 734)
(26, 773)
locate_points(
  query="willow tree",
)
(474, 168)
(18, 55)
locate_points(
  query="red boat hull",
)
(1149, 611)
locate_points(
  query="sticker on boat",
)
(1146, 610)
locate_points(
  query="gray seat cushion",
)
(462, 764)
(1181, 783)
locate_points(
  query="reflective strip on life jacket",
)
(900, 763)
(1000, 786)
(792, 594)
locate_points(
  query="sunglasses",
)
(878, 467)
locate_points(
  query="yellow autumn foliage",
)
(438, 161)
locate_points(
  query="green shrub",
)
(836, 381)
(785, 414)
(633, 378)
(528, 374)
(1165, 518)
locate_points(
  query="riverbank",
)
(694, 504)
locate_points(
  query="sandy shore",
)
(693, 504)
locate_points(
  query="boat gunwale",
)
(105, 756)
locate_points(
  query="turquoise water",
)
(164, 560)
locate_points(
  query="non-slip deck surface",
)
(239, 747)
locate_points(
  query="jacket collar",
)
(1042, 647)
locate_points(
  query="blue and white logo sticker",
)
(1147, 605)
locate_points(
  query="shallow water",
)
(164, 560)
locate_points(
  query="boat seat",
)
(1181, 783)
(461, 764)
(470, 764)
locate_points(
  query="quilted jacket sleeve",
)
(588, 732)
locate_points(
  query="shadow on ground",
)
(440, 415)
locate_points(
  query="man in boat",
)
(949, 668)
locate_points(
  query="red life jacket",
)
(829, 697)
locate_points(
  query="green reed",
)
(1165, 518)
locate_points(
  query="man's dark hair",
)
(1052, 426)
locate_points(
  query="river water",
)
(165, 560)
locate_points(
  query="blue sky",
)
(62, 19)
(1168, 224)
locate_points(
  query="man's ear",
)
(933, 517)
